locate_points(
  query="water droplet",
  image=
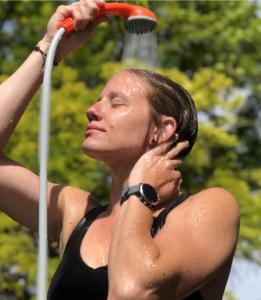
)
(140, 49)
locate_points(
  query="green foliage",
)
(14, 272)
(222, 35)
(210, 47)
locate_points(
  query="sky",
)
(245, 280)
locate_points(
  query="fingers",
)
(174, 152)
(163, 149)
(83, 12)
(171, 165)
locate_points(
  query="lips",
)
(92, 127)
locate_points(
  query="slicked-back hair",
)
(170, 99)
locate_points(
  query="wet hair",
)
(170, 99)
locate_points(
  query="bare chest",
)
(95, 245)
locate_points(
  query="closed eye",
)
(117, 99)
(116, 102)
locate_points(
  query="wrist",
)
(136, 206)
(44, 44)
(42, 47)
(144, 192)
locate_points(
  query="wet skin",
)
(120, 121)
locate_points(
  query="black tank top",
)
(75, 280)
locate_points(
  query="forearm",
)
(133, 253)
(17, 91)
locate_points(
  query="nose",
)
(93, 112)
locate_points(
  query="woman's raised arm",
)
(19, 187)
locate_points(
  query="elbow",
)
(135, 281)
(128, 289)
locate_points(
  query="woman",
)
(150, 242)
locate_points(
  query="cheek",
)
(132, 127)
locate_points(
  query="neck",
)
(120, 172)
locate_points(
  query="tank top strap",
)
(83, 225)
(159, 221)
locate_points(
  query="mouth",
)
(93, 128)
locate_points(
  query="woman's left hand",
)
(157, 167)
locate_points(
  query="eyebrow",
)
(114, 95)
(118, 94)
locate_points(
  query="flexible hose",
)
(42, 275)
(67, 25)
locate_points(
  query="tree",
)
(209, 47)
(224, 37)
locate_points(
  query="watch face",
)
(149, 193)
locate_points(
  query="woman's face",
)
(120, 121)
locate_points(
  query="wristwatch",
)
(145, 192)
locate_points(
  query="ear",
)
(164, 132)
(167, 129)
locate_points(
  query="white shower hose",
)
(42, 273)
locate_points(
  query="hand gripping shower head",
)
(137, 18)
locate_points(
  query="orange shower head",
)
(137, 18)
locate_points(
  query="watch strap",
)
(128, 191)
(134, 190)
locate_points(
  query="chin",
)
(99, 152)
(92, 152)
(107, 154)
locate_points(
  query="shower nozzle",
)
(137, 18)
(140, 25)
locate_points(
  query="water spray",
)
(138, 20)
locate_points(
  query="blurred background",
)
(212, 48)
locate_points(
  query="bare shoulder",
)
(204, 230)
(210, 209)
(77, 202)
(210, 222)
(212, 212)
(217, 193)
(217, 202)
